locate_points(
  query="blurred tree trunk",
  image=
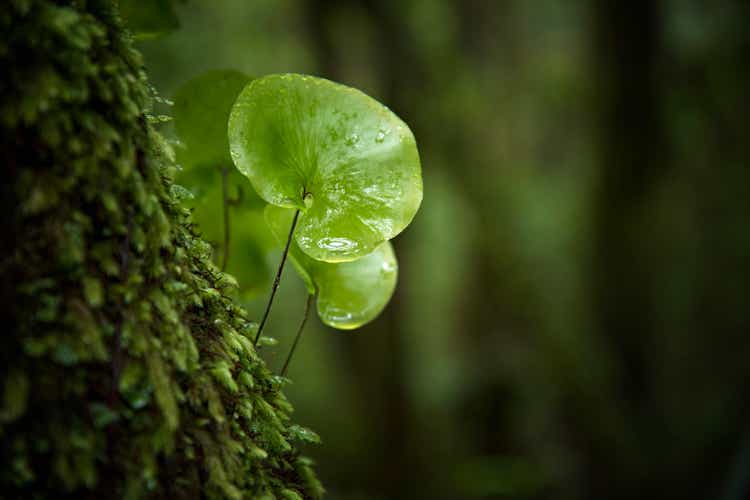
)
(667, 325)
(632, 160)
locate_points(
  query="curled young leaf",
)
(346, 161)
(350, 294)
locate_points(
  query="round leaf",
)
(201, 110)
(344, 159)
(350, 294)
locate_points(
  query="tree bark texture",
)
(127, 370)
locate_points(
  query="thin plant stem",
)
(299, 333)
(225, 201)
(277, 279)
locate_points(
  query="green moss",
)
(127, 370)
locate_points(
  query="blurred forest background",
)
(572, 315)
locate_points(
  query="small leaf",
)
(162, 389)
(102, 415)
(288, 494)
(350, 294)
(299, 433)
(201, 110)
(222, 374)
(92, 291)
(344, 159)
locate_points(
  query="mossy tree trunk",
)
(127, 369)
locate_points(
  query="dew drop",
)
(340, 318)
(382, 133)
(388, 267)
(352, 139)
(337, 244)
(339, 315)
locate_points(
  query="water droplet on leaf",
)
(338, 244)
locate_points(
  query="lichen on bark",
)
(127, 370)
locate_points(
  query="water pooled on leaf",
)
(337, 244)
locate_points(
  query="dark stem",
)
(226, 202)
(277, 279)
(299, 333)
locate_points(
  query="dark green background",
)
(572, 315)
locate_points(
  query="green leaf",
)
(250, 239)
(201, 110)
(149, 18)
(344, 159)
(350, 294)
(299, 433)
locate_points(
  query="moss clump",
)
(126, 369)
